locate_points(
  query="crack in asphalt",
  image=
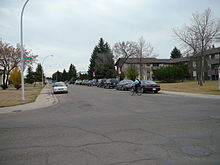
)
(131, 161)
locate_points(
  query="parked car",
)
(125, 85)
(85, 82)
(111, 83)
(78, 82)
(150, 86)
(101, 82)
(71, 82)
(60, 87)
(92, 82)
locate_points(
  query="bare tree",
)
(198, 37)
(144, 49)
(10, 58)
(124, 50)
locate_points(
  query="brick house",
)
(149, 65)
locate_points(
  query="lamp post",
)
(22, 54)
(42, 67)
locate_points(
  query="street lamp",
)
(22, 54)
(42, 67)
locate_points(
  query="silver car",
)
(60, 87)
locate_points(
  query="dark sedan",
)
(101, 82)
(111, 83)
(125, 85)
(150, 86)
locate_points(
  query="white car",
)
(60, 87)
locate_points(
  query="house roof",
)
(150, 61)
(212, 51)
(121, 61)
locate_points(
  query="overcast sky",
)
(70, 29)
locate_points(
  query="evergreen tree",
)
(57, 76)
(72, 72)
(175, 53)
(30, 76)
(101, 46)
(64, 75)
(101, 61)
(39, 72)
(92, 62)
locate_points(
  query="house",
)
(213, 63)
(149, 65)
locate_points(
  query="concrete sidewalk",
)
(44, 99)
(206, 96)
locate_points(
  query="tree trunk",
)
(201, 75)
(4, 85)
(141, 77)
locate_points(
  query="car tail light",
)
(158, 85)
(148, 85)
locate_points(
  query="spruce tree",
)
(72, 73)
(30, 76)
(175, 53)
(92, 62)
(39, 72)
(101, 61)
(57, 76)
(64, 75)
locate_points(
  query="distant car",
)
(150, 86)
(124, 85)
(60, 87)
(71, 82)
(101, 82)
(111, 83)
(85, 82)
(78, 82)
(92, 82)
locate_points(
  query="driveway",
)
(95, 126)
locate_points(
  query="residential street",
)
(96, 126)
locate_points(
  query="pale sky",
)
(70, 29)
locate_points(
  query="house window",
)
(194, 64)
(194, 73)
(155, 64)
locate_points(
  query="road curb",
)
(207, 96)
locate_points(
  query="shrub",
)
(15, 77)
(173, 73)
(131, 73)
(4, 86)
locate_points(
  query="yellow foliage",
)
(15, 76)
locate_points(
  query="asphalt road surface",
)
(95, 126)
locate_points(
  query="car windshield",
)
(148, 82)
(59, 84)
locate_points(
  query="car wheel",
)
(155, 91)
